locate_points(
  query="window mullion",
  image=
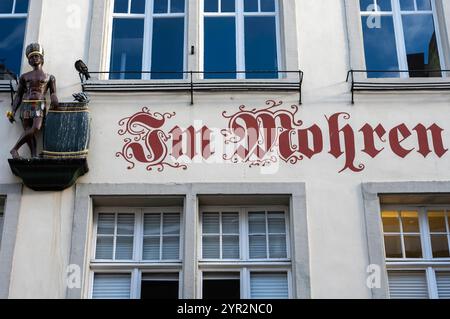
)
(115, 235)
(432, 284)
(148, 38)
(401, 233)
(220, 236)
(14, 7)
(243, 225)
(399, 38)
(267, 235)
(161, 235)
(438, 37)
(427, 251)
(240, 39)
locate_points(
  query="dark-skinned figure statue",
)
(30, 98)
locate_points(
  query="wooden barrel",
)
(67, 131)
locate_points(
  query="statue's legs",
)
(31, 127)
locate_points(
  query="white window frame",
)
(399, 34)
(136, 267)
(2, 223)
(13, 13)
(148, 33)
(239, 16)
(244, 266)
(428, 264)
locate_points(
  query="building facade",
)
(229, 157)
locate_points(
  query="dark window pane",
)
(366, 5)
(421, 45)
(12, 33)
(120, 6)
(436, 221)
(220, 47)
(221, 289)
(261, 47)
(407, 5)
(159, 289)
(424, 5)
(410, 222)
(391, 222)
(127, 46)
(251, 5)
(138, 6)
(168, 56)
(21, 6)
(268, 5)
(228, 6)
(385, 5)
(160, 6)
(393, 246)
(413, 247)
(380, 48)
(440, 246)
(211, 5)
(177, 6)
(6, 6)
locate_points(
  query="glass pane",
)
(228, 5)
(112, 286)
(12, 33)
(257, 246)
(230, 247)
(171, 224)
(210, 223)
(152, 224)
(261, 47)
(21, 6)
(251, 5)
(171, 248)
(127, 46)
(277, 246)
(220, 47)
(160, 6)
(6, 6)
(125, 224)
(120, 6)
(151, 247)
(168, 56)
(230, 223)
(105, 224)
(385, 5)
(268, 5)
(269, 286)
(366, 5)
(391, 223)
(393, 246)
(257, 223)
(124, 248)
(211, 5)
(380, 47)
(138, 6)
(421, 45)
(436, 220)
(104, 248)
(439, 244)
(211, 247)
(177, 6)
(407, 5)
(410, 221)
(277, 223)
(413, 247)
(423, 5)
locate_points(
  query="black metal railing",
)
(193, 81)
(7, 80)
(400, 84)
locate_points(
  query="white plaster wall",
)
(338, 246)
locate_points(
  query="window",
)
(417, 241)
(140, 30)
(401, 35)
(13, 17)
(245, 253)
(148, 239)
(1, 224)
(241, 35)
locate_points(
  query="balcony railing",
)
(8, 81)
(193, 81)
(415, 82)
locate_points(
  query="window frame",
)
(428, 264)
(399, 34)
(147, 46)
(239, 14)
(136, 266)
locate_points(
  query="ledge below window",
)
(393, 84)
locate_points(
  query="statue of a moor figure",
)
(30, 98)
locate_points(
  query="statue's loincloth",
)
(32, 109)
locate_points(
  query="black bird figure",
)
(82, 68)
